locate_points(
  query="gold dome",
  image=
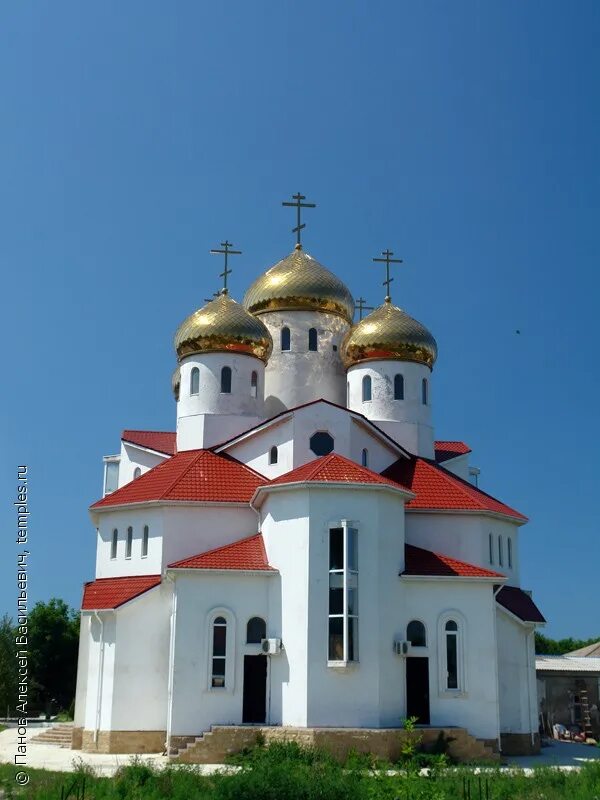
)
(299, 283)
(388, 333)
(223, 326)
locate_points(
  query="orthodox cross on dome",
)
(226, 252)
(298, 204)
(387, 260)
(361, 306)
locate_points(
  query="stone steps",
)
(213, 747)
(60, 735)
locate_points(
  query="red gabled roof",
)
(437, 488)
(334, 469)
(520, 604)
(423, 563)
(113, 592)
(161, 441)
(194, 475)
(445, 450)
(246, 554)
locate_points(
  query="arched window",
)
(136, 473)
(366, 388)
(273, 455)
(254, 383)
(219, 647)
(509, 551)
(194, 380)
(491, 547)
(285, 339)
(256, 630)
(312, 339)
(415, 633)
(364, 459)
(398, 387)
(226, 380)
(129, 542)
(451, 630)
(114, 543)
(145, 538)
(425, 391)
(500, 552)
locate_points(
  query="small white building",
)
(301, 552)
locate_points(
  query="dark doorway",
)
(417, 689)
(255, 689)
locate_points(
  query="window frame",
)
(367, 381)
(129, 543)
(114, 544)
(230, 640)
(194, 374)
(226, 379)
(461, 649)
(145, 541)
(346, 572)
(398, 382)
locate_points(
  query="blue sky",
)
(464, 136)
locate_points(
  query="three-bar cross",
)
(362, 306)
(298, 204)
(226, 252)
(387, 260)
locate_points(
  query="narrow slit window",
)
(273, 455)
(312, 339)
(398, 387)
(114, 543)
(451, 654)
(364, 459)
(219, 650)
(254, 384)
(226, 380)
(145, 538)
(194, 380)
(366, 388)
(509, 552)
(500, 552)
(285, 339)
(129, 542)
(425, 391)
(491, 547)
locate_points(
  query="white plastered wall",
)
(298, 375)
(466, 537)
(516, 675)
(132, 457)
(407, 421)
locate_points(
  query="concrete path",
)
(560, 754)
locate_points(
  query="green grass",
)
(288, 772)
(2, 728)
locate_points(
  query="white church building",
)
(301, 552)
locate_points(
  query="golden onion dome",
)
(388, 333)
(223, 326)
(299, 283)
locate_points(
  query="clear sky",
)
(136, 136)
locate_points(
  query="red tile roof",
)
(519, 603)
(438, 489)
(334, 469)
(113, 592)
(247, 554)
(161, 441)
(423, 562)
(445, 450)
(195, 475)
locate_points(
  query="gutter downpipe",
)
(173, 580)
(527, 645)
(100, 677)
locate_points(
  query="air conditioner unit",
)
(401, 648)
(270, 647)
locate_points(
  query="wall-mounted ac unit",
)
(270, 647)
(401, 648)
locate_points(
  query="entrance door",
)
(417, 689)
(255, 689)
